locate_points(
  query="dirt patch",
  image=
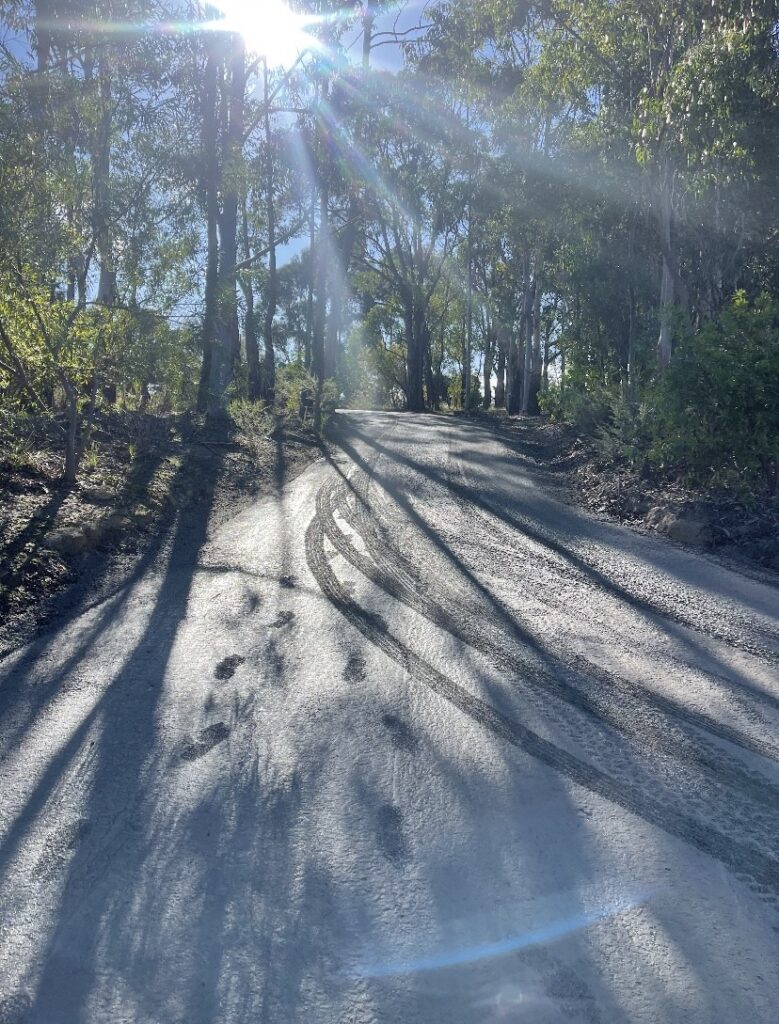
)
(63, 548)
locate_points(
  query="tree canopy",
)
(570, 205)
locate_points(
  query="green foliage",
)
(252, 419)
(290, 381)
(455, 392)
(588, 408)
(711, 419)
(18, 438)
(373, 371)
(550, 402)
(625, 436)
(293, 379)
(718, 406)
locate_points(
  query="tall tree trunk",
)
(408, 331)
(536, 369)
(469, 309)
(527, 331)
(631, 347)
(271, 296)
(318, 357)
(415, 362)
(516, 358)
(334, 317)
(665, 339)
(343, 252)
(210, 140)
(101, 169)
(254, 373)
(500, 387)
(432, 392)
(489, 354)
(312, 264)
(320, 299)
(226, 349)
(41, 95)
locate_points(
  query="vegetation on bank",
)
(710, 421)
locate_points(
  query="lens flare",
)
(269, 27)
(537, 937)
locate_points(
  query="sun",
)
(270, 28)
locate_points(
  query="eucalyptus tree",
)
(686, 92)
(81, 183)
(417, 201)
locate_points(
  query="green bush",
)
(292, 379)
(550, 402)
(717, 407)
(455, 392)
(253, 420)
(586, 409)
(626, 437)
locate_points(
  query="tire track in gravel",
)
(575, 563)
(745, 861)
(497, 517)
(391, 569)
(708, 771)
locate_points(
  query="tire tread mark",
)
(489, 642)
(744, 860)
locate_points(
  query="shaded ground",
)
(140, 473)
(742, 528)
(408, 740)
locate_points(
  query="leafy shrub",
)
(550, 402)
(586, 409)
(626, 437)
(718, 405)
(292, 379)
(455, 392)
(252, 420)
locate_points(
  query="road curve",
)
(409, 742)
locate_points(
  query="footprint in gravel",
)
(58, 845)
(389, 832)
(355, 669)
(275, 662)
(15, 1009)
(283, 619)
(288, 582)
(209, 738)
(227, 666)
(400, 733)
(253, 601)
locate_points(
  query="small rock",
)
(655, 516)
(112, 528)
(101, 495)
(695, 532)
(71, 540)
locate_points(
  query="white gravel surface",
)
(409, 742)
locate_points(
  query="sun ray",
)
(270, 29)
